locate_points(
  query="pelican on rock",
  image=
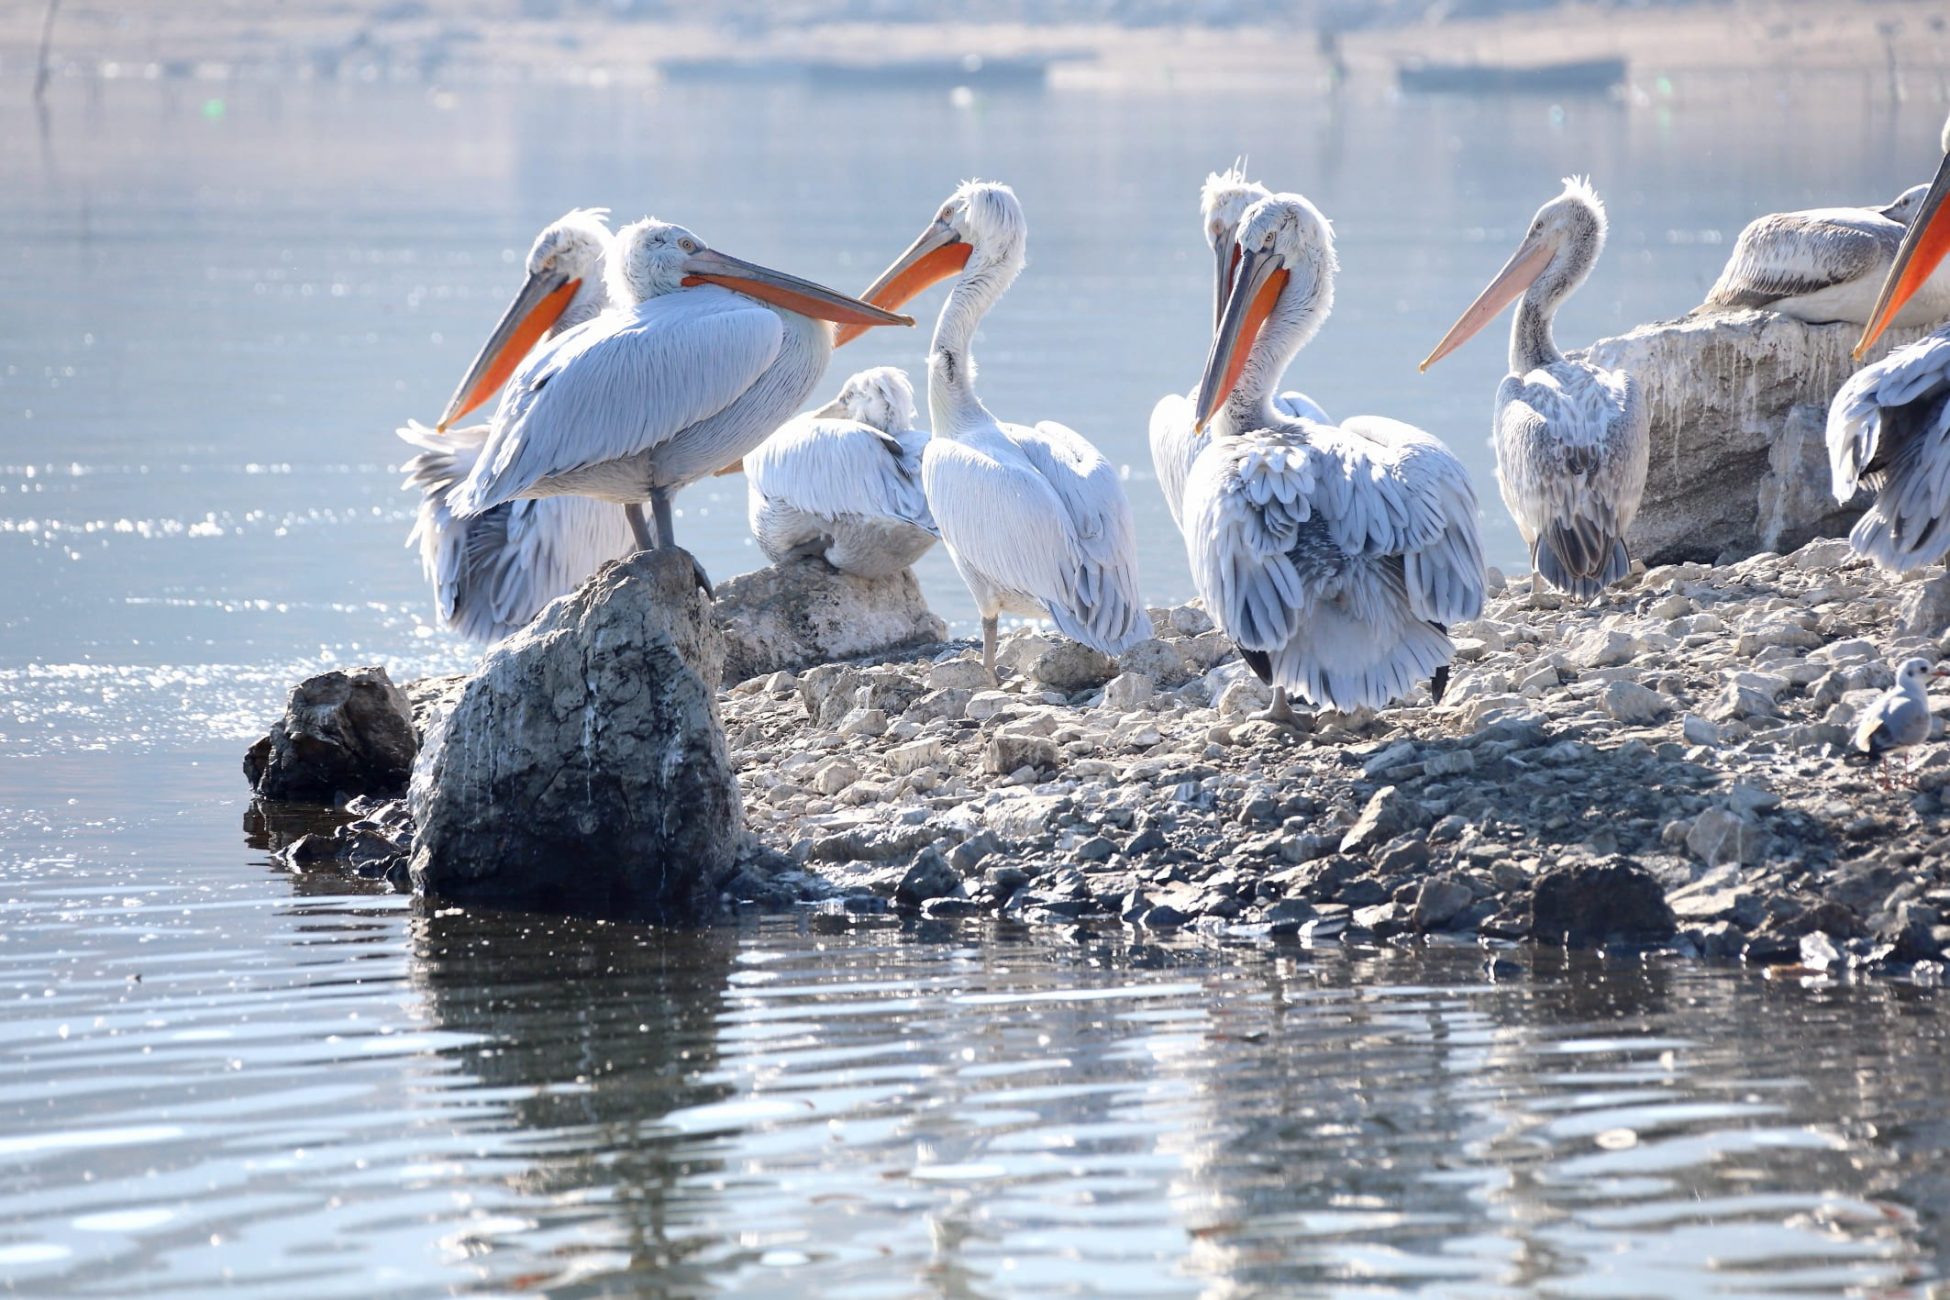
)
(703, 357)
(1035, 519)
(1335, 556)
(1571, 438)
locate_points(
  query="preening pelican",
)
(1222, 201)
(493, 573)
(704, 356)
(1889, 426)
(1035, 519)
(844, 482)
(1571, 438)
(1334, 556)
(1825, 264)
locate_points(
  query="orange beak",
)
(1924, 246)
(1518, 274)
(735, 467)
(788, 291)
(1256, 288)
(936, 255)
(533, 313)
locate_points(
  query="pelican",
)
(705, 355)
(1333, 555)
(1889, 426)
(1824, 264)
(844, 482)
(1223, 199)
(1571, 438)
(1034, 519)
(493, 573)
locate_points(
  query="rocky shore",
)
(1663, 767)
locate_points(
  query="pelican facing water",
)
(1034, 519)
(1571, 438)
(704, 355)
(1825, 264)
(1222, 201)
(844, 482)
(492, 574)
(1889, 425)
(1334, 556)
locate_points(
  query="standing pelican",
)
(1889, 426)
(705, 356)
(1824, 264)
(844, 482)
(1571, 438)
(493, 573)
(1223, 199)
(1334, 556)
(1035, 520)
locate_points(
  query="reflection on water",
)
(209, 1079)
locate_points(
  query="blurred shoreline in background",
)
(1686, 49)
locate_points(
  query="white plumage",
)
(1035, 519)
(844, 482)
(704, 356)
(1900, 716)
(1223, 199)
(1334, 556)
(493, 573)
(1572, 439)
(1889, 432)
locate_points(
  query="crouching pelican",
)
(1034, 519)
(1222, 201)
(704, 357)
(493, 573)
(844, 482)
(1889, 426)
(1824, 264)
(1571, 438)
(1333, 555)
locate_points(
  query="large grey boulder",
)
(1738, 403)
(584, 768)
(804, 612)
(343, 733)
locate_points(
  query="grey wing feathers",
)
(837, 468)
(1787, 254)
(1107, 612)
(1892, 722)
(1889, 431)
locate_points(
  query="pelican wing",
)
(1050, 524)
(621, 384)
(1299, 406)
(493, 573)
(1572, 444)
(1889, 430)
(838, 468)
(1786, 254)
(1172, 446)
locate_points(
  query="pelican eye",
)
(688, 245)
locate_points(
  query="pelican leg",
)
(988, 643)
(640, 527)
(667, 536)
(1279, 711)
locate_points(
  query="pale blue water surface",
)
(220, 299)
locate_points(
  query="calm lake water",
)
(220, 301)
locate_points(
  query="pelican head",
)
(654, 258)
(979, 231)
(1923, 248)
(881, 397)
(1557, 252)
(1285, 277)
(1222, 201)
(565, 264)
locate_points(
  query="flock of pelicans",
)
(1335, 554)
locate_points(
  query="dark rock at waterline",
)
(790, 616)
(584, 769)
(343, 733)
(1600, 902)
